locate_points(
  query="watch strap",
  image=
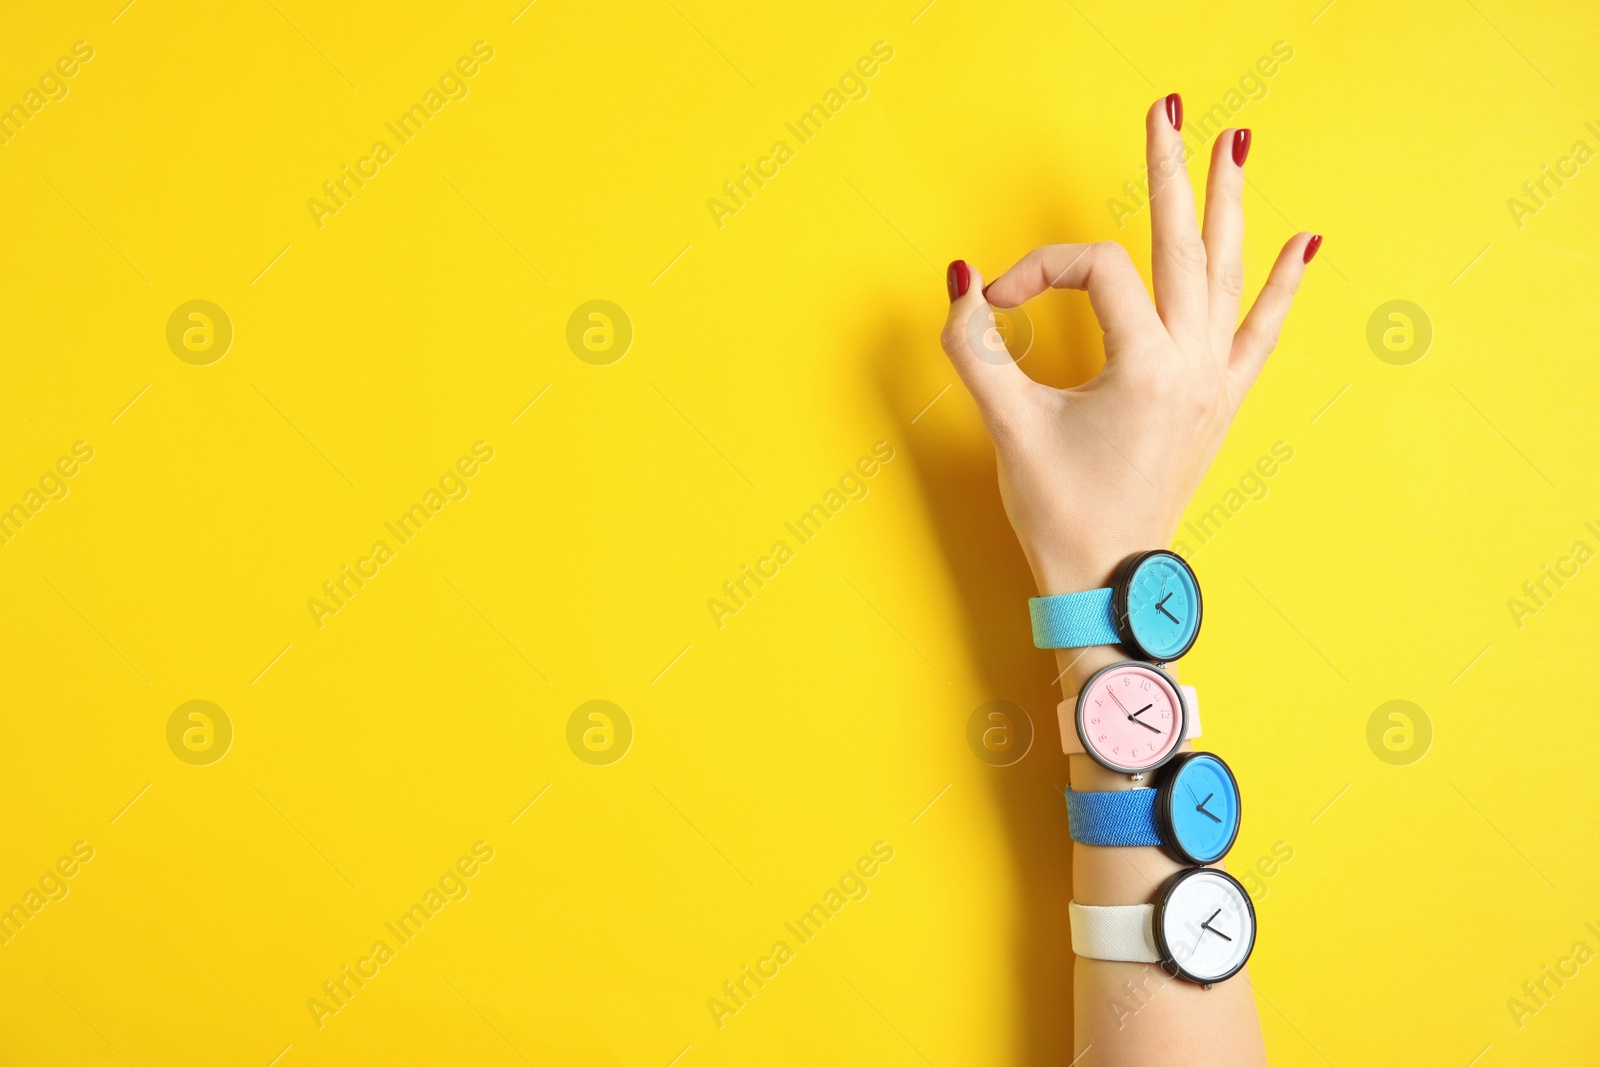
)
(1122, 932)
(1113, 818)
(1072, 744)
(1073, 620)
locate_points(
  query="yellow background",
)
(769, 355)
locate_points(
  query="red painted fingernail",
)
(1241, 146)
(1312, 246)
(1175, 111)
(957, 278)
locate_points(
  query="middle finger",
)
(1178, 256)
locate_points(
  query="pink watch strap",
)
(1072, 744)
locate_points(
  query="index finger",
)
(1116, 292)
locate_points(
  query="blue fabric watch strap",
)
(1073, 620)
(1117, 818)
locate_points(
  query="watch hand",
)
(1162, 607)
(1134, 717)
(1201, 808)
(1120, 704)
(1213, 929)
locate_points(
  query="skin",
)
(1092, 474)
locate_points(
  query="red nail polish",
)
(957, 278)
(1175, 111)
(1241, 146)
(1312, 246)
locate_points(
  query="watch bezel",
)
(1158, 935)
(1122, 584)
(1164, 796)
(1182, 726)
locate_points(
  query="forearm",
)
(1135, 1013)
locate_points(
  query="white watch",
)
(1201, 928)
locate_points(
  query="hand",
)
(1092, 474)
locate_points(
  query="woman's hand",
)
(1092, 474)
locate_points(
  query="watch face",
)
(1162, 608)
(1205, 925)
(1199, 808)
(1130, 717)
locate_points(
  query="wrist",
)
(1056, 575)
(1067, 565)
(1076, 665)
(1084, 775)
(1071, 562)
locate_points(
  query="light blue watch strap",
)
(1073, 620)
(1117, 818)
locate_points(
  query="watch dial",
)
(1163, 606)
(1129, 717)
(1207, 926)
(1205, 807)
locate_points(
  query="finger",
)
(1259, 335)
(973, 343)
(1178, 256)
(1116, 292)
(1224, 233)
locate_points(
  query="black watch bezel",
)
(1122, 584)
(1183, 714)
(1164, 797)
(1168, 962)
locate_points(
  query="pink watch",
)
(1129, 717)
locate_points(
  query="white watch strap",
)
(1115, 933)
(1072, 744)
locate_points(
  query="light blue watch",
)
(1152, 609)
(1193, 813)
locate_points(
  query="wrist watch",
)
(1193, 814)
(1201, 928)
(1152, 610)
(1129, 717)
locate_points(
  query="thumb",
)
(973, 342)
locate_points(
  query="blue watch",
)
(1152, 610)
(1192, 814)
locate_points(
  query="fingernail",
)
(1241, 146)
(1312, 246)
(957, 278)
(1175, 111)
